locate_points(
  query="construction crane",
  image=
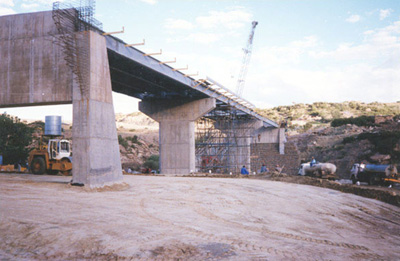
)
(245, 61)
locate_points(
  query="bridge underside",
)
(136, 80)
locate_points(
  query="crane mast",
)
(245, 61)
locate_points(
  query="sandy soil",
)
(158, 218)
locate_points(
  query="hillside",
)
(302, 117)
(342, 133)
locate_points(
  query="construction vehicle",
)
(52, 158)
(319, 170)
(56, 155)
(374, 174)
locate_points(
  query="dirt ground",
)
(159, 218)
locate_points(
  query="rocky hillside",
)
(302, 117)
(342, 133)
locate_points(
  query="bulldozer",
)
(51, 158)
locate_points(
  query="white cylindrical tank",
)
(52, 125)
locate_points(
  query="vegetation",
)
(152, 162)
(320, 113)
(365, 121)
(134, 139)
(15, 137)
(123, 142)
(384, 142)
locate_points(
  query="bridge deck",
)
(144, 77)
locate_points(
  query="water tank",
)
(376, 168)
(52, 125)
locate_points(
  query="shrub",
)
(350, 139)
(152, 162)
(123, 142)
(307, 126)
(384, 142)
(359, 121)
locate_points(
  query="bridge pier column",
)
(177, 135)
(96, 156)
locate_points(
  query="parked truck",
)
(319, 170)
(373, 174)
(55, 155)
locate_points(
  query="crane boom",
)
(246, 60)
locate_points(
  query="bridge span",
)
(45, 58)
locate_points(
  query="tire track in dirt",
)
(244, 247)
(204, 212)
(208, 214)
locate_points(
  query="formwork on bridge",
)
(223, 140)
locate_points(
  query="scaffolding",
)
(223, 140)
(71, 17)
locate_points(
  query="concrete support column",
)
(177, 137)
(244, 151)
(96, 156)
(282, 140)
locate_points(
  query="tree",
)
(15, 137)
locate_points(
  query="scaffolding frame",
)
(223, 141)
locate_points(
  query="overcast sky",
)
(304, 50)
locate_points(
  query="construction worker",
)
(244, 171)
(361, 167)
(313, 162)
(263, 169)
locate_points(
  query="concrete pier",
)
(96, 160)
(177, 138)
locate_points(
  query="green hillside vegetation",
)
(323, 113)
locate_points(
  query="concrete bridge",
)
(35, 69)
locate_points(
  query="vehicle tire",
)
(371, 180)
(38, 166)
(65, 172)
(353, 179)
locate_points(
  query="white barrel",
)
(52, 125)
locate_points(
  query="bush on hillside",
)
(384, 142)
(359, 121)
(152, 162)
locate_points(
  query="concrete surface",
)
(177, 137)
(162, 218)
(32, 66)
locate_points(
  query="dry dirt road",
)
(163, 218)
